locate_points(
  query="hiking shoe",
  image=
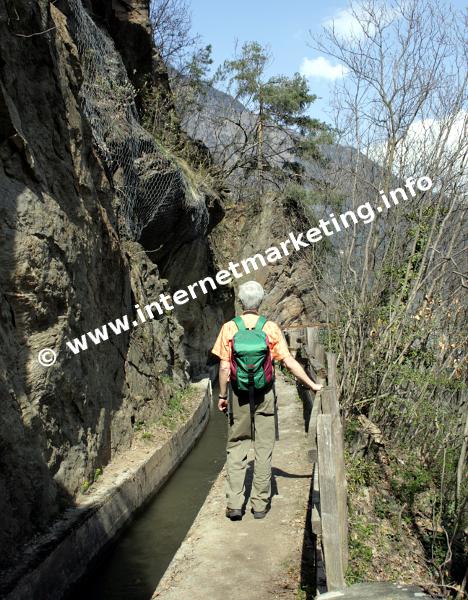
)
(235, 514)
(259, 514)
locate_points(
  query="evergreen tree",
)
(279, 102)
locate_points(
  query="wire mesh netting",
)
(147, 183)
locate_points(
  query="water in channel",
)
(133, 566)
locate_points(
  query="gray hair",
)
(251, 295)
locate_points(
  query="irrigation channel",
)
(132, 567)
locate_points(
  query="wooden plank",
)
(341, 486)
(315, 517)
(332, 528)
(314, 349)
(312, 338)
(326, 405)
(330, 405)
(316, 408)
(319, 354)
(333, 407)
(312, 425)
(332, 376)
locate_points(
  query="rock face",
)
(251, 228)
(129, 26)
(65, 269)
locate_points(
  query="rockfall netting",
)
(149, 184)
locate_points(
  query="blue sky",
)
(284, 27)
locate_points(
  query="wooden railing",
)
(329, 514)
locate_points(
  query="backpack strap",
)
(260, 323)
(240, 324)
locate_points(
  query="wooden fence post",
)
(312, 338)
(316, 409)
(331, 506)
(332, 375)
(330, 405)
(314, 348)
(341, 487)
(329, 513)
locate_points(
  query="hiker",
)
(246, 346)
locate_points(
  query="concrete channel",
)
(78, 546)
(131, 567)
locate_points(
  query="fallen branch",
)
(24, 35)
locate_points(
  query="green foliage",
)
(245, 73)
(88, 483)
(189, 87)
(386, 507)
(281, 101)
(139, 425)
(167, 380)
(409, 479)
(352, 429)
(360, 472)
(287, 98)
(175, 407)
(284, 100)
(301, 594)
(361, 534)
(198, 68)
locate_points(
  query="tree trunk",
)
(260, 140)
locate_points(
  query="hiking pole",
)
(252, 402)
(276, 413)
(252, 412)
(229, 407)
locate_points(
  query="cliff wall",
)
(69, 262)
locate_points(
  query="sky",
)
(286, 28)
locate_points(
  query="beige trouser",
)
(238, 445)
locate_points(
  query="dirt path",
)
(250, 559)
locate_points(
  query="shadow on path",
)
(275, 472)
(309, 555)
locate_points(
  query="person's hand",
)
(316, 387)
(222, 404)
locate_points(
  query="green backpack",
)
(251, 364)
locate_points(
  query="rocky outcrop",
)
(129, 26)
(65, 269)
(249, 228)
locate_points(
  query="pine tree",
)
(279, 102)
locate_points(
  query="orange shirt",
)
(278, 346)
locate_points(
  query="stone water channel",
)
(133, 565)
